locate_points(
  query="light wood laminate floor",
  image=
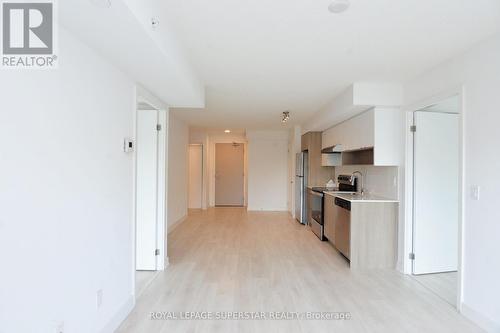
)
(143, 279)
(226, 259)
(444, 285)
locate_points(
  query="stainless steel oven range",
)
(315, 202)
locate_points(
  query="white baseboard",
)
(119, 316)
(400, 267)
(480, 320)
(172, 227)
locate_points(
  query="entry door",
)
(436, 192)
(195, 176)
(147, 190)
(229, 174)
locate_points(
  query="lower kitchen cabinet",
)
(328, 218)
(366, 235)
(373, 234)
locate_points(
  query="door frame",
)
(142, 95)
(409, 178)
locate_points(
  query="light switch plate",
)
(128, 145)
(475, 192)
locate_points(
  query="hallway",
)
(228, 259)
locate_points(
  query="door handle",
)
(315, 193)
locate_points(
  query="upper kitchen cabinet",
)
(374, 137)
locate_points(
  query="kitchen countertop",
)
(360, 198)
(311, 186)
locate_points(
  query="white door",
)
(436, 192)
(147, 190)
(195, 176)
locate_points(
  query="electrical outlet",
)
(99, 295)
(475, 192)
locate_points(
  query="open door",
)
(436, 192)
(149, 194)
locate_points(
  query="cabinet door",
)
(355, 133)
(361, 131)
(329, 219)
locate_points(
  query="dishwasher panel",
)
(343, 226)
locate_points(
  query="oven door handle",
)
(315, 193)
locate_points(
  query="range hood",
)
(332, 149)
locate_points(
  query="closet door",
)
(147, 189)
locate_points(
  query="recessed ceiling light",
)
(227, 131)
(339, 6)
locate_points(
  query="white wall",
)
(267, 170)
(269, 159)
(357, 98)
(66, 217)
(210, 137)
(195, 177)
(200, 136)
(478, 71)
(178, 159)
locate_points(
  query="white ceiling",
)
(219, 131)
(122, 34)
(260, 57)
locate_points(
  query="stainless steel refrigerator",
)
(301, 171)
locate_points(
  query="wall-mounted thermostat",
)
(128, 145)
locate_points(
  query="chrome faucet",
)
(361, 187)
